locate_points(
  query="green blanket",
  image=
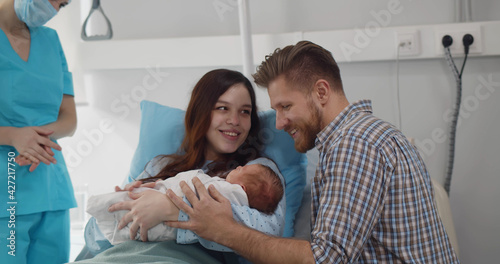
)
(161, 252)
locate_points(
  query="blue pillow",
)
(162, 131)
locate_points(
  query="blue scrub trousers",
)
(39, 238)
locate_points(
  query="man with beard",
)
(372, 198)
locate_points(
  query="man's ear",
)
(322, 91)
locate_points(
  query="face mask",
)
(34, 13)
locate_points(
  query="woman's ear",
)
(322, 91)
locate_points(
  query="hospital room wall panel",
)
(485, 10)
(108, 113)
(167, 19)
(175, 18)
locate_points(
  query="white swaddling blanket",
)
(108, 221)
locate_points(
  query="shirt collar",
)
(350, 111)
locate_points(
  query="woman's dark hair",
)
(191, 154)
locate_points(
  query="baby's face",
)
(241, 173)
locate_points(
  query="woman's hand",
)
(23, 161)
(131, 186)
(34, 144)
(147, 209)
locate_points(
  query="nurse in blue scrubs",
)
(36, 108)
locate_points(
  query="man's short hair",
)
(301, 65)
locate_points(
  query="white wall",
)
(99, 154)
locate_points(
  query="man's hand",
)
(147, 209)
(212, 219)
(209, 217)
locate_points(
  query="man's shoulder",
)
(363, 129)
(369, 128)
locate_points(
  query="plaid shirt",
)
(373, 201)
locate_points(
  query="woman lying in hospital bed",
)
(221, 133)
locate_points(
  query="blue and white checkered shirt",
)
(373, 201)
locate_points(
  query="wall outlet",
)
(408, 43)
(457, 33)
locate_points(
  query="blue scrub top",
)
(31, 93)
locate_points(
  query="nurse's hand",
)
(30, 142)
(147, 209)
(23, 161)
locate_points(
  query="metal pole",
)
(458, 11)
(246, 38)
(468, 10)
